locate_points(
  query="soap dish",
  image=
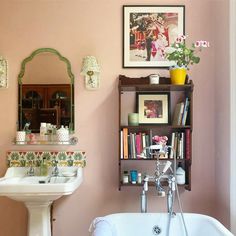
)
(68, 174)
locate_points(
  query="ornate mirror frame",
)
(22, 72)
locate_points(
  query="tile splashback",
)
(34, 158)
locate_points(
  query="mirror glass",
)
(46, 90)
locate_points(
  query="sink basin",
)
(18, 186)
(37, 180)
(38, 192)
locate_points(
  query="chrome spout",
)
(143, 202)
(160, 190)
(55, 171)
(30, 171)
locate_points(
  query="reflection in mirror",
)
(46, 68)
(46, 90)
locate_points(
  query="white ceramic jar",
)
(63, 134)
(154, 79)
(20, 136)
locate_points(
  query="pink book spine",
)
(187, 144)
(138, 144)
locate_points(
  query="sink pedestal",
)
(38, 196)
(39, 218)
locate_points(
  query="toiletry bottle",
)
(125, 177)
(43, 168)
(54, 133)
(49, 132)
(133, 176)
(43, 131)
(139, 178)
(180, 175)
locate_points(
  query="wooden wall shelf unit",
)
(128, 90)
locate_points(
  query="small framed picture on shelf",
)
(153, 108)
(147, 31)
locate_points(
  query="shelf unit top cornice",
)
(142, 84)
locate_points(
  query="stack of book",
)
(181, 112)
(133, 144)
(181, 143)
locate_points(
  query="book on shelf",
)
(185, 111)
(172, 145)
(129, 146)
(121, 145)
(147, 139)
(133, 144)
(178, 144)
(181, 112)
(144, 144)
(178, 113)
(133, 153)
(125, 142)
(188, 144)
(139, 143)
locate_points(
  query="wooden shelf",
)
(142, 85)
(151, 184)
(127, 103)
(159, 87)
(152, 159)
(156, 126)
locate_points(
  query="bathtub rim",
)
(210, 219)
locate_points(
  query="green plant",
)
(182, 55)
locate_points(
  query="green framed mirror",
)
(46, 90)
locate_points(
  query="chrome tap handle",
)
(143, 202)
(55, 171)
(30, 171)
(171, 182)
(145, 185)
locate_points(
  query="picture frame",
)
(153, 108)
(147, 31)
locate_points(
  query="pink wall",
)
(77, 28)
(222, 109)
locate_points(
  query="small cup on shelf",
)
(133, 119)
(20, 137)
(154, 79)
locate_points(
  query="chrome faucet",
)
(30, 171)
(157, 178)
(55, 171)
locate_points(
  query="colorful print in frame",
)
(147, 31)
(153, 108)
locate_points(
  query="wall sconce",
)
(3, 73)
(91, 71)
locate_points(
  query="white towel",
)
(102, 227)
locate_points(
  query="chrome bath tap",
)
(157, 178)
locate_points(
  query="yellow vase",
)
(178, 75)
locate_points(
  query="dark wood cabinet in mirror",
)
(46, 90)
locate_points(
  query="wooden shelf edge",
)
(153, 159)
(156, 126)
(151, 184)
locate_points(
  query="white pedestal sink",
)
(38, 193)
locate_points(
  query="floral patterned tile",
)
(34, 158)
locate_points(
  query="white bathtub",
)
(142, 224)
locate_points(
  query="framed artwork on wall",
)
(147, 31)
(153, 108)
